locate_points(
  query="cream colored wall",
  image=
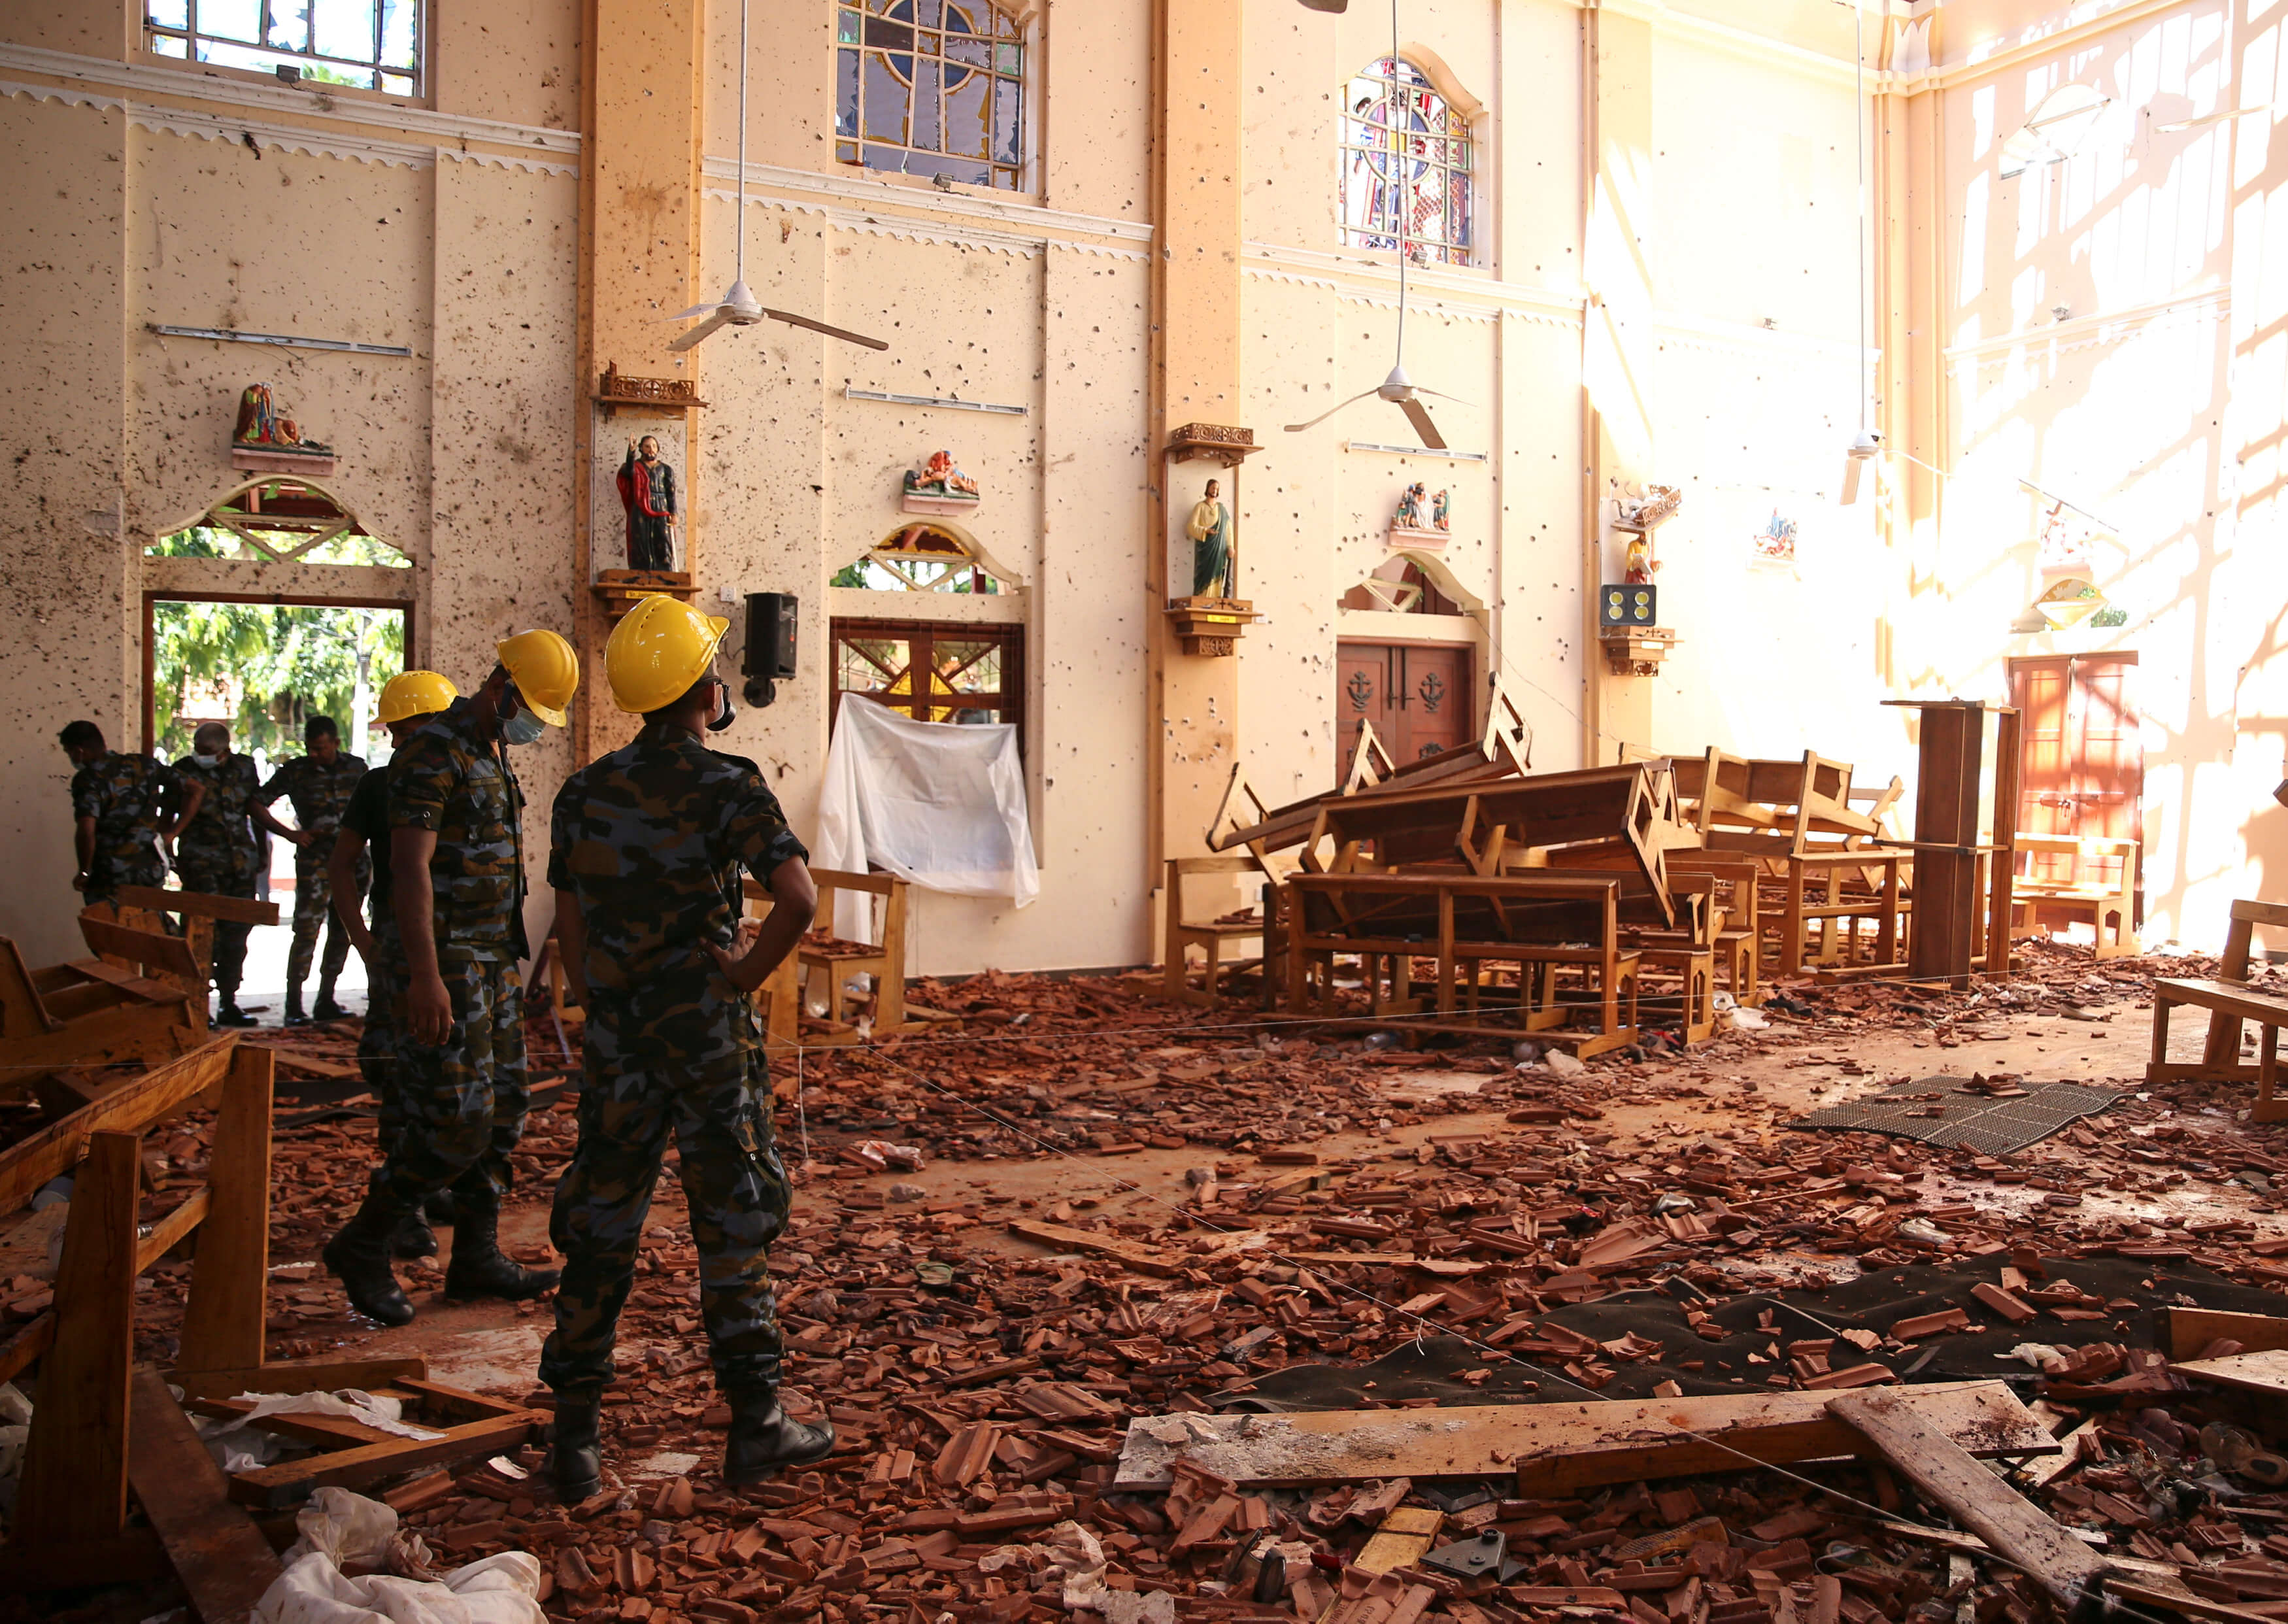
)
(2153, 400)
(227, 201)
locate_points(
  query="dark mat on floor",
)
(1991, 1127)
(1434, 1367)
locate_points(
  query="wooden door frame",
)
(153, 599)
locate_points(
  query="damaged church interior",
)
(673, 957)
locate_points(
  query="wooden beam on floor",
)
(214, 1546)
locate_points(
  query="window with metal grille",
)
(932, 672)
(931, 87)
(1405, 166)
(372, 44)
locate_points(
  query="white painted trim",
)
(2101, 327)
(1375, 281)
(432, 128)
(1998, 56)
(872, 199)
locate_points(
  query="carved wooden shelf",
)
(620, 589)
(264, 459)
(1212, 442)
(1211, 627)
(617, 392)
(1635, 651)
(1406, 538)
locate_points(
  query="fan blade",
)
(1851, 466)
(684, 341)
(831, 332)
(1419, 415)
(1336, 6)
(708, 309)
(1440, 394)
(1297, 428)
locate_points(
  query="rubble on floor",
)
(986, 1355)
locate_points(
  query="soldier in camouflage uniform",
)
(121, 806)
(319, 785)
(647, 848)
(216, 853)
(407, 702)
(457, 860)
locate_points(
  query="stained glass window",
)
(1406, 166)
(930, 87)
(375, 44)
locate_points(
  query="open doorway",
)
(263, 665)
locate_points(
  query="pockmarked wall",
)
(2110, 335)
(170, 193)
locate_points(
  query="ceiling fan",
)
(1400, 390)
(739, 307)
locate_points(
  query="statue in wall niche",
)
(1638, 565)
(260, 427)
(1411, 502)
(1438, 512)
(647, 491)
(1209, 529)
(939, 477)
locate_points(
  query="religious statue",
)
(1438, 512)
(261, 428)
(647, 491)
(938, 477)
(1640, 562)
(1209, 529)
(1410, 503)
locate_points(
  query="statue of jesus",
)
(1209, 529)
(647, 491)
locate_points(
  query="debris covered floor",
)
(1127, 1211)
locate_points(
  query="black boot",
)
(294, 1015)
(230, 1014)
(326, 1009)
(480, 1269)
(764, 1438)
(577, 1461)
(414, 1237)
(360, 1257)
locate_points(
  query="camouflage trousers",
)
(376, 1053)
(736, 1188)
(139, 865)
(224, 873)
(462, 1100)
(313, 912)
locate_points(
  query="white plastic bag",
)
(939, 804)
(339, 1527)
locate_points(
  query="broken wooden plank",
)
(2177, 1599)
(290, 1482)
(299, 1376)
(2191, 1330)
(2256, 1372)
(2018, 1530)
(1555, 1447)
(1405, 1537)
(218, 1552)
(239, 910)
(30, 1163)
(1134, 1254)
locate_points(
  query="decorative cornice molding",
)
(907, 229)
(1462, 295)
(958, 215)
(430, 127)
(2096, 330)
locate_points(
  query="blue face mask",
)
(522, 727)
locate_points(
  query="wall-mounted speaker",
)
(769, 657)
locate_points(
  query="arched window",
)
(931, 87)
(1406, 166)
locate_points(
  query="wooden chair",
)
(93, 1012)
(2229, 1000)
(2110, 903)
(1208, 934)
(837, 960)
(778, 1000)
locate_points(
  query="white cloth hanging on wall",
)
(939, 804)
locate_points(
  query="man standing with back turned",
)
(319, 785)
(648, 847)
(457, 872)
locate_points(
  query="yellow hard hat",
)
(545, 670)
(658, 650)
(415, 693)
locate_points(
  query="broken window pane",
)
(344, 28)
(290, 26)
(1405, 163)
(232, 20)
(941, 81)
(370, 44)
(169, 13)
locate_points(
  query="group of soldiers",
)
(648, 847)
(212, 805)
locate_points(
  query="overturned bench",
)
(2230, 999)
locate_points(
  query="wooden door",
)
(1418, 697)
(2083, 757)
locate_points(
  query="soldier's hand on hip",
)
(428, 1012)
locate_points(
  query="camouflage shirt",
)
(450, 780)
(651, 838)
(126, 795)
(319, 794)
(219, 836)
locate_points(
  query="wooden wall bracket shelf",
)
(256, 460)
(618, 591)
(1636, 651)
(1410, 539)
(1211, 627)
(617, 392)
(1212, 442)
